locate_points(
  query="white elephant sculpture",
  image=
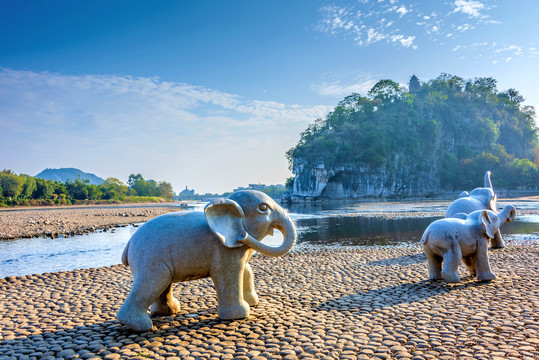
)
(187, 246)
(463, 237)
(482, 198)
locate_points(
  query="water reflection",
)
(360, 230)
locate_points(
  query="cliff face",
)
(351, 181)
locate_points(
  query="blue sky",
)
(211, 94)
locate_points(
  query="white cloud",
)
(404, 41)
(360, 85)
(117, 125)
(468, 7)
(372, 23)
(374, 36)
(376, 21)
(465, 27)
(402, 11)
(497, 52)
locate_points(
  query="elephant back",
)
(464, 205)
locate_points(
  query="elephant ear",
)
(225, 218)
(487, 224)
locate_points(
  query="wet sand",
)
(315, 303)
(52, 222)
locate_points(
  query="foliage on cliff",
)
(451, 128)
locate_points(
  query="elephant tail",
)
(425, 238)
(124, 255)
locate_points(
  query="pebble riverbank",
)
(315, 303)
(53, 222)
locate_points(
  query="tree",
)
(28, 187)
(78, 190)
(113, 188)
(165, 190)
(133, 179)
(515, 97)
(44, 189)
(11, 184)
(385, 91)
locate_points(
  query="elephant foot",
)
(450, 277)
(435, 275)
(251, 297)
(170, 307)
(497, 242)
(486, 276)
(138, 321)
(238, 311)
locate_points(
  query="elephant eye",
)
(263, 207)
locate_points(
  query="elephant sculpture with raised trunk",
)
(463, 237)
(481, 198)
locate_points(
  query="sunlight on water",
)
(528, 218)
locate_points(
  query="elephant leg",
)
(227, 277)
(249, 293)
(435, 265)
(482, 263)
(451, 262)
(497, 242)
(166, 303)
(469, 261)
(145, 290)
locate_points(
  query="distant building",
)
(186, 193)
(260, 187)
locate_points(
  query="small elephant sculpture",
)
(482, 198)
(463, 237)
(187, 246)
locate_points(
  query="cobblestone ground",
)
(330, 303)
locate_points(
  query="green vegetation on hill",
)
(450, 128)
(27, 190)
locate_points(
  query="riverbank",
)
(315, 303)
(74, 220)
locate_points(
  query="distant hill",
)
(65, 174)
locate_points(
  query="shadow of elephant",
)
(376, 299)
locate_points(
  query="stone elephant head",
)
(246, 217)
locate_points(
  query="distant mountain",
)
(65, 174)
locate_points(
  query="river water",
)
(338, 223)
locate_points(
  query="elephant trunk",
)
(488, 183)
(507, 214)
(284, 225)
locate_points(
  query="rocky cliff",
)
(352, 181)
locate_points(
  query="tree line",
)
(28, 190)
(449, 128)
